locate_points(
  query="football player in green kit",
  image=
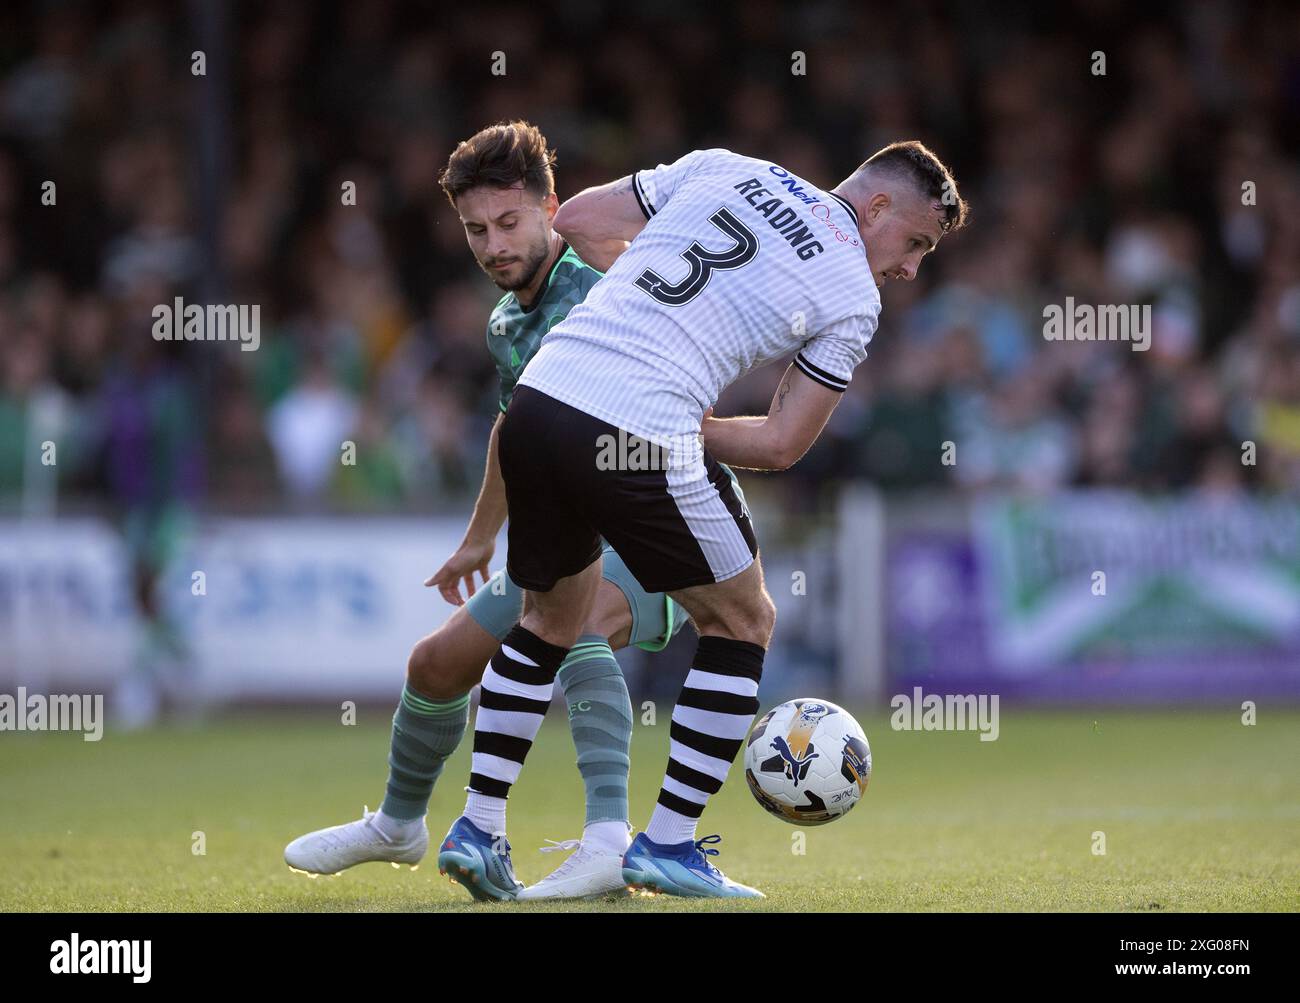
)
(501, 184)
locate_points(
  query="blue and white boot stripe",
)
(467, 857)
(682, 869)
(672, 877)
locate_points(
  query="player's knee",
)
(611, 618)
(759, 620)
(426, 670)
(765, 620)
(419, 664)
(752, 621)
(755, 621)
(605, 623)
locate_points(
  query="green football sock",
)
(425, 733)
(600, 717)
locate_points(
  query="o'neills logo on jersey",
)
(819, 208)
(791, 184)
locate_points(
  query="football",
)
(807, 761)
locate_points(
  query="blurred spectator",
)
(308, 428)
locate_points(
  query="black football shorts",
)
(672, 514)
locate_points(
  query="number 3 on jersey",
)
(702, 262)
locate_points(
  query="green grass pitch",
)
(1199, 812)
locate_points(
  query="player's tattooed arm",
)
(779, 401)
(600, 222)
(800, 409)
(621, 187)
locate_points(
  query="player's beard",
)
(532, 264)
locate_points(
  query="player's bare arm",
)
(800, 409)
(600, 222)
(476, 550)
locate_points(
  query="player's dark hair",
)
(502, 155)
(914, 160)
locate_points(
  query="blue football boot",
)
(681, 869)
(469, 856)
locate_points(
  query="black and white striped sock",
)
(712, 717)
(513, 699)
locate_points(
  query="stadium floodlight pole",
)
(211, 137)
(859, 603)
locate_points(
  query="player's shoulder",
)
(570, 264)
(571, 277)
(712, 153)
(714, 158)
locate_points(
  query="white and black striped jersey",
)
(741, 263)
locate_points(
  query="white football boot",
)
(590, 871)
(329, 851)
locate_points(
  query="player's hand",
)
(460, 567)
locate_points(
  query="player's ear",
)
(551, 204)
(877, 204)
